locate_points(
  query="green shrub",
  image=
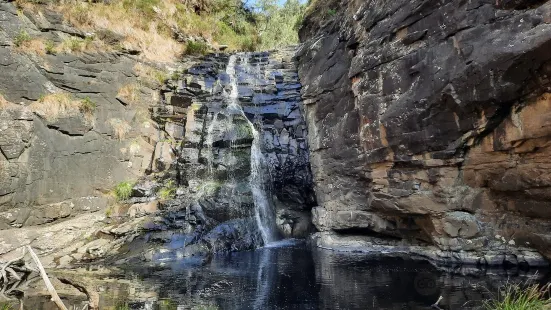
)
(279, 24)
(6, 307)
(123, 190)
(521, 297)
(331, 12)
(209, 188)
(22, 37)
(87, 106)
(196, 48)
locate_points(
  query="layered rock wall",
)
(429, 126)
(68, 131)
(208, 157)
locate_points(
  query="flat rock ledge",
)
(508, 257)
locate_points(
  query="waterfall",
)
(259, 178)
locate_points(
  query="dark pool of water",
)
(294, 276)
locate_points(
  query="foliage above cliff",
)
(163, 30)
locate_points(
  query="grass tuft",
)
(129, 93)
(54, 106)
(49, 47)
(87, 106)
(168, 191)
(123, 190)
(76, 44)
(196, 48)
(21, 38)
(521, 297)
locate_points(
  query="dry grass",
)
(139, 32)
(129, 93)
(120, 128)
(53, 106)
(3, 102)
(150, 26)
(34, 46)
(150, 74)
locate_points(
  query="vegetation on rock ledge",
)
(123, 190)
(164, 30)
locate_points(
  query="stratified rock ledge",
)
(383, 247)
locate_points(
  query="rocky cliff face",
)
(73, 124)
(430, 127)
(217, 115)
(200, 144)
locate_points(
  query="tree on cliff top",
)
(278, 24)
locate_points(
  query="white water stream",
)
(260, 177)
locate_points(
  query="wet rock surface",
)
(214, 117)
(429, 125)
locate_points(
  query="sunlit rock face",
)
(429, 127)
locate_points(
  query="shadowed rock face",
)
(429, 126)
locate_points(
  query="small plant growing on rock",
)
(21, 38)
(49, 47)
(151, 75)
(123, 190)
(160, 76)
(87, 106)
(168, 191)
(209, 188)
(75, 44)
(175, 76)
(196, 48)
(521, 297)
(53, 106)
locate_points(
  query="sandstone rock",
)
(433, 115)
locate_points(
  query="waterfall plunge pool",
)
(291, 275)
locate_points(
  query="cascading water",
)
(260, 177)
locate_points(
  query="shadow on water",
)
(290, 275)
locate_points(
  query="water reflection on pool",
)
(290, 275)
